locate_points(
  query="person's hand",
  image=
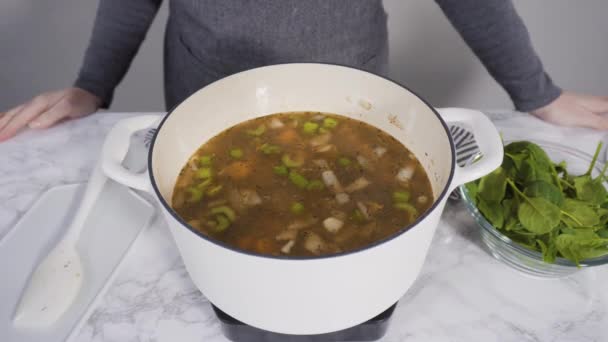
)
(571, 109)
(47, 109)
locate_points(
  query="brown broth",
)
(263, 202)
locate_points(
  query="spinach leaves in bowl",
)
(538, 204)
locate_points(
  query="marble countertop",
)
(462, 294)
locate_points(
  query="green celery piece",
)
(204, 173)
(205, 160)
(224, 210)
(493, 186)
(270, 149)
(280, 170)
(344, 162)
(545, 190)
(410, 209)
(297, 208)
(215, 190)
(315, 185)
(310, 127)
(222, 223)
(330, 123)
(298, 180)
(401, 196)
(492, 211)
(236, 153)
(195, 194)
(204, 184)
(357, 216)
(291, 163)
(538, 215)
(258, 131)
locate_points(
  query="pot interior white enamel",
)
(310, 295)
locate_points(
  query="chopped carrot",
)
(264, 246)
(239, 169)
(245, 242)
(287, 136)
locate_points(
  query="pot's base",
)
(371, 330)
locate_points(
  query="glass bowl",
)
(517, 256)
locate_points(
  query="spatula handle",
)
(93, 189)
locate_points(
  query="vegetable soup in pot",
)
(301, 184)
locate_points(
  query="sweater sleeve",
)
(119, 29)
(499, 38)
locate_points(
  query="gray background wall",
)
(42, 43)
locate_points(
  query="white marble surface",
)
(463, 294)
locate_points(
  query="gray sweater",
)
(206, 40)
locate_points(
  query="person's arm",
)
(120, 28)
(498, 36)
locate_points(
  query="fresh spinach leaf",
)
(579, 214)
(590, 190)
(472, 189)
(538, 215)
(492, 187)
(545, 190)
(577, 248)
(492, 211)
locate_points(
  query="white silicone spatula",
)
(56, 281)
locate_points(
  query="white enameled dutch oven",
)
(304, 295)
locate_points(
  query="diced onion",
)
(243, 198)
(321, 139)
(322, 163)
(287, 247)
(359, 184)
(332, 224)
(314, 243)
(318, 117)
(324, 148)
(276, 123)
(193, 162)
(340, 215)
(363, 210)
(331, 181)
(379, 151)
(342, 198)
(405, 174)
(302, 224)
(287, 234)
(422, 199)
(364, 162)
(250, 197)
